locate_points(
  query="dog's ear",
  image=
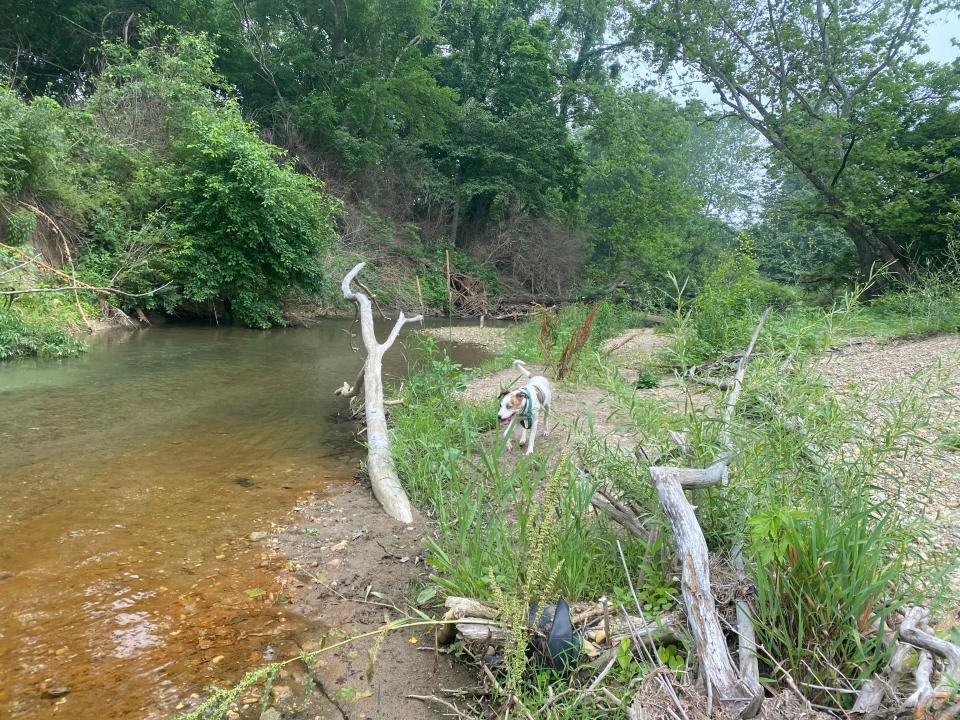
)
(502, 393)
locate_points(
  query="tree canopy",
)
(515, 133)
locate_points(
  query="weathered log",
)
(731, 691)
(873, 691)
(912, 631)
(690, 478)
(380, 467)
(461, 607)
(919, 701)
(482, 633)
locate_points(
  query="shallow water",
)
(130, 478)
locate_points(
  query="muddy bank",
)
(344, 566)
(490, 338)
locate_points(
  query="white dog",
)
(525, 405)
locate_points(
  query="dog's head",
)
(510, 404)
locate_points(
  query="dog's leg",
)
(533, 432)
(546, 416)
(506, 436)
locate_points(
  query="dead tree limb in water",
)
(383, 474)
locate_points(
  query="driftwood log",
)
(914, 631)
(383, 474)
(738, 691)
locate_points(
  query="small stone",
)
(282, 694)
(258, 535)
(270, 713)
(334, 563)
(54, 692)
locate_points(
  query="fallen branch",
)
(380, 467)
(91, 288)
(348, 391)
(740, 692)
(733, 693)
(726, 437)
(912, 631)
(923, 695)
(604, 503)
(873, 691)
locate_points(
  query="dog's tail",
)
(522, 367)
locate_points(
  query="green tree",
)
(829, 85)
(643, 214)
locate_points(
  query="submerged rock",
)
(271, 713)
(258, 535)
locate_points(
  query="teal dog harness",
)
(526, 415)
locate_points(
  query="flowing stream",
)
(130, 480)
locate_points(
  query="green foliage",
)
(723, 313)
(647, 377)
(868, 162)
(172, 185)
(33, 146)
(247, 229)
(929, 304)
(22, 336)
(638, 198)
(543, 339)
(823, 578)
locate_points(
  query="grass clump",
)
(25, 334)
(567, 338)
(488, 511)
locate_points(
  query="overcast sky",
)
(938, 38)
(940, 34)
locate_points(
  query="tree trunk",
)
(874, 253)
(383, 474)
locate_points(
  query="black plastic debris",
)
(554, 637)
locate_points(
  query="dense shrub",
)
(246, 228)
(164, 182)
(22, 337)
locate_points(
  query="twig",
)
(66, 248)
(593, 686)
(23, 264)
(372, 297)
(725, 434)
(91, 288)
(440, 701)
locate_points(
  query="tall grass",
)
(544, 338)
(485, 504)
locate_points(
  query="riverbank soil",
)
(345, 566)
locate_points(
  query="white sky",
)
(940, 34)
(938, 38)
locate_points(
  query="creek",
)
(130, 481)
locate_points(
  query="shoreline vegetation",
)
(829, 417)
(749, 308)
